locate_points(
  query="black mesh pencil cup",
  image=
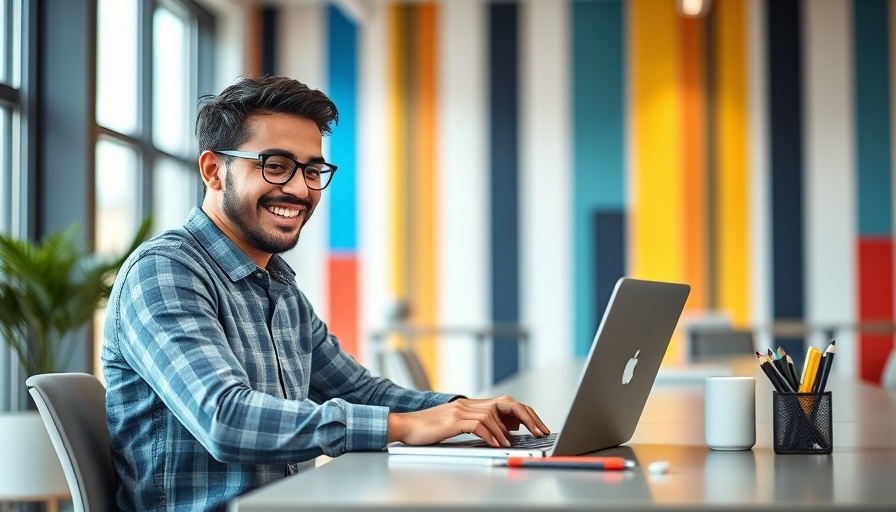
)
(802, 422)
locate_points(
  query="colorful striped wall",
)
(505, 162)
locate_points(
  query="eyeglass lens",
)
(279, 169)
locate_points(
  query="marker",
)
(568, 462)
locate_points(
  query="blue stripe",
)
(269, 40)
(785, 116)
(609, 245)
(599, 150)
(872, 96)
(343, 82)
(503, 94)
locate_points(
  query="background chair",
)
(73, 409)
(720, 345)
(403, 367)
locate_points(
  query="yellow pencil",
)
(810, 369)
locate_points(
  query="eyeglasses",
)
(279, 169)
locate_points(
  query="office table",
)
(859, 474)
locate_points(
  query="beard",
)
(242, 214)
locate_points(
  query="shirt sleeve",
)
(166, 328)
(337, 375)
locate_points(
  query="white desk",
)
(860, 473)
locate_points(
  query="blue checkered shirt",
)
(220, 377)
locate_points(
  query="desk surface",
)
(859, 473)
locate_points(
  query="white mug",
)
(729, 412)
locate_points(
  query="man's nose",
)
(297, 186)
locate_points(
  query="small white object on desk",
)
(659, 467)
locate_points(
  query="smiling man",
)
(220, 377)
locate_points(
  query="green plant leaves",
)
(50, 290)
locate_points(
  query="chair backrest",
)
(403, 366)
(720, 345)
(73, 409)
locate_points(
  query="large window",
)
(11, 121)
(150, 72)
(149, 75)
(13, 174)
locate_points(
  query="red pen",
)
(571, 462)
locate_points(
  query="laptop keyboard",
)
(530, 441)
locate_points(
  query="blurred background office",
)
(501, 163)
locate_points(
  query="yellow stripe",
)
(657, 213)
(732, 191)
(425, 207)
(658, 227)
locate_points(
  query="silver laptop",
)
(614, 384)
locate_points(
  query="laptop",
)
(614, 384)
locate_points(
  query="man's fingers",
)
(526, 415)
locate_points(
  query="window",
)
(147, 88)
(13, 174)
(149, 76)
(11, 121)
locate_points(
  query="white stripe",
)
(830, 175)
(302, 52)
(463, 187)
(546, 258)
(760, 204)
(374, 190)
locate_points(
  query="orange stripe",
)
(693, 94)
(424, 142)
(343, 286)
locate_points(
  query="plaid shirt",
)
(220, 377)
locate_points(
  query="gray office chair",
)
(403, 367)
(73, 408)
(720, 345)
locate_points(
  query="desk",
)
(858, 474)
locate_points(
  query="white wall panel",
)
(546, 258)
(830, 175)
(301, 54)
(463, 191)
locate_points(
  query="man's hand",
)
(491, 419)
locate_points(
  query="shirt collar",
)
(229, 257)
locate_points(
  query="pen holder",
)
(802, 422)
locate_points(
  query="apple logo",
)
(629, 371)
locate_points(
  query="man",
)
(220, 377)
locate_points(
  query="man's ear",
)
(211, 168)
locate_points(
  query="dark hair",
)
(221, 122)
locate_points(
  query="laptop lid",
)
(616, 379)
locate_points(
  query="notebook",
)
(614, 384)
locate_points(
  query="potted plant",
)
(48, 291)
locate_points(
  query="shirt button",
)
(258, 275)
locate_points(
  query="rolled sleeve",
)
(369, 427)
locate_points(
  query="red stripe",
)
(343, 304)
(875, 304)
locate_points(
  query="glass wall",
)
(148, 77)
(12, 172)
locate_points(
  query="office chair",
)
(403, 367)
(720, 345)
(73, 409)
